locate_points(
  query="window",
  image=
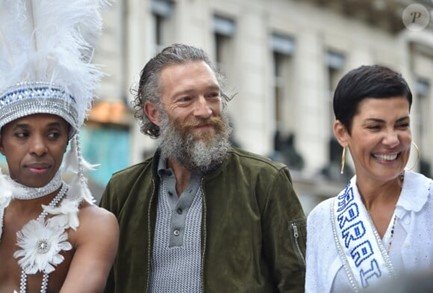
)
(334, 63)
(423, 91)
(224, 30)
(282, 47)
(162, 11)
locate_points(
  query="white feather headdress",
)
(45, 52)
(45, 49)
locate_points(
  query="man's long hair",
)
(149, 88)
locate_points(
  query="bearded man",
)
(200, 215)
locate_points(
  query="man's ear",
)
(341, 133)
(152, 112)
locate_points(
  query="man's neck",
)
(181, 174)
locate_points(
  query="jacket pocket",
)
(297, 229)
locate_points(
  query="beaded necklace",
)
(391, 236)
(43, 245)
(394, 219)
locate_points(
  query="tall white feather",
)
(50, 41)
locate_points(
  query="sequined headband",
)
(38, 98)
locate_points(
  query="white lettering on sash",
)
(361, 252)
(352, 226)
(373, 271)
(344, 199)
(353, 232)
(348, 215)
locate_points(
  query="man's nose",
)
(202, 108)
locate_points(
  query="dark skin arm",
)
(96, 243)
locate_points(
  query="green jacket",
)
(253, 227)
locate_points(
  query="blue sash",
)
(359, 246)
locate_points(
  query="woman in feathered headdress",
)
(52, 237)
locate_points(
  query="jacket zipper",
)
(204, 236)
(296, 235)
(149, 224)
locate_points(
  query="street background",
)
(282, 60)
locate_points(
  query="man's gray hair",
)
(149, 87)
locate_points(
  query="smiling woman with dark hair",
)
(380, 225)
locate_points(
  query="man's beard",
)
(195, 151)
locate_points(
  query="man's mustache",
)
(211, 121)
(214, 121)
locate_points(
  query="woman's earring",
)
(343, 160)
(418, 156)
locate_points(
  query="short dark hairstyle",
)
(149, 88)
(373, 81)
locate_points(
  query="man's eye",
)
(213, 95)
(184, 99)
(21, 134)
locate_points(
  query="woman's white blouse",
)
(412, 243)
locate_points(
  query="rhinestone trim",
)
(33, 98)
(43, 246)
(382, 249)
(23, 192)
(340, 251)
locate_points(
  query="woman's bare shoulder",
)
(95, 222)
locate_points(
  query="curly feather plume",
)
(51, 41)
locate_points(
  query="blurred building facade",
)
(283, 58)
